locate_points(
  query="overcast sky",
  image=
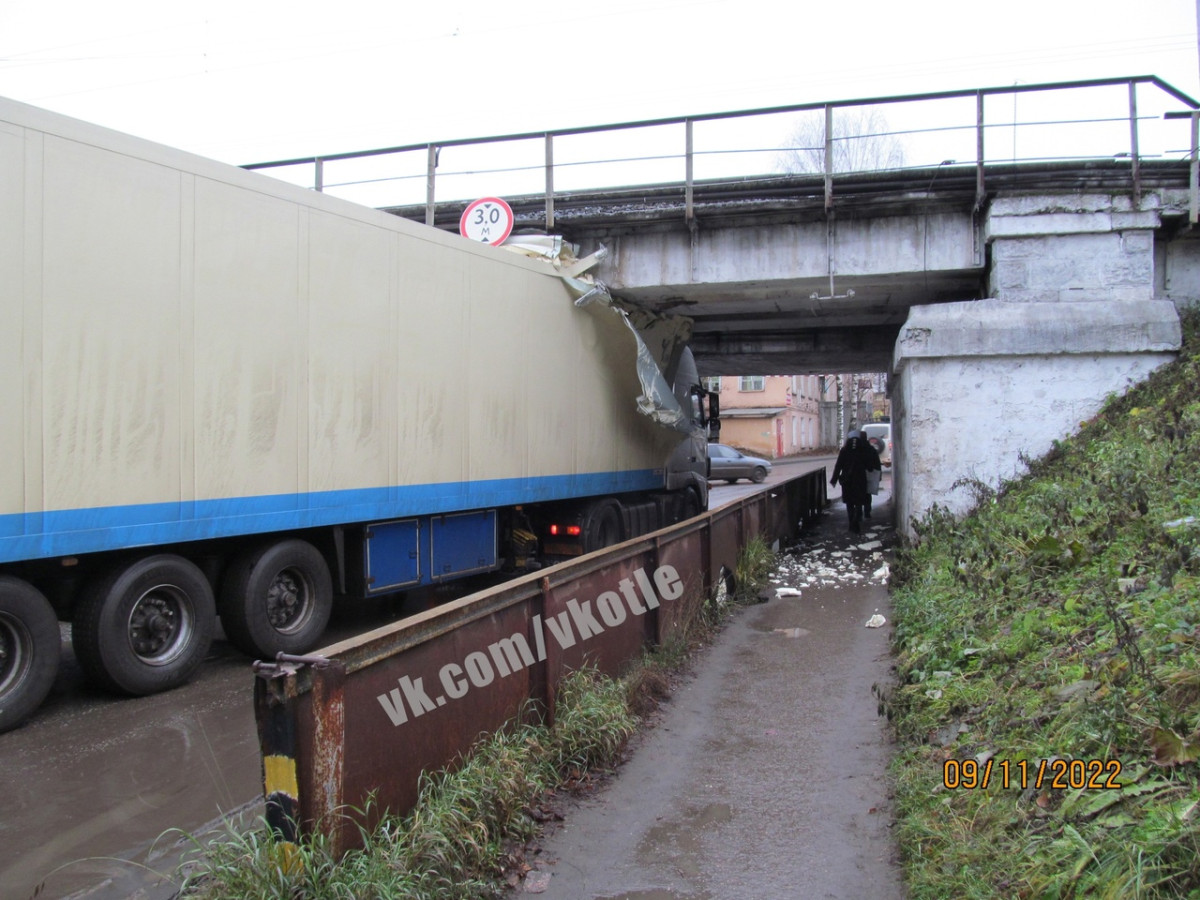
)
(247, 80)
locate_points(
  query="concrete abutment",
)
(977, 385)
(1079, 312)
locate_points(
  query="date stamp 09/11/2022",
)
(1053, 774)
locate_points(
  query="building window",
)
(753, 383)
(711, 383)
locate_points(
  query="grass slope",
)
(1060, 621)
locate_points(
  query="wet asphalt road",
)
(99, 791)
(765, 777)
(92, 784)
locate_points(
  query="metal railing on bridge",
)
(1129, 120)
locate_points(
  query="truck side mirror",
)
(714, 416)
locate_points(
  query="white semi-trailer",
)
(223, 394)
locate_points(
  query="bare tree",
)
(861, 398)
(861, 143)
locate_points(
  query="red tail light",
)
(569, 530)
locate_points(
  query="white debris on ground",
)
(817, 565)
(828, 565)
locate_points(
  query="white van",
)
(880, 436)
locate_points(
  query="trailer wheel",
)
(146, 626)
(29, 650)
(277, 598)
(602, 525)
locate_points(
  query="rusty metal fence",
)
(360, 720)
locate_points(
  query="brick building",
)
(785, 415)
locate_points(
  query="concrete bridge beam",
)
(789, 351)
(797, 251)
(844, 274)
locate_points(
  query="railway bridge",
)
(1002, 326)
(1026, 259)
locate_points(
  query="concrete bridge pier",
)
(1074, 317)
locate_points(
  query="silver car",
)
(726, 463)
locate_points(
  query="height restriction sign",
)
(489, 220)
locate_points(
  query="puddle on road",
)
(680, 841)
(791, 632)
(94, 785)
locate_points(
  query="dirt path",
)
(766, 775)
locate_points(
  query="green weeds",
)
(1061, 620)
(754, 565)
(453, 844)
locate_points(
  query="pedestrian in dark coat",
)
(850, 471)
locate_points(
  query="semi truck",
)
(223, 395)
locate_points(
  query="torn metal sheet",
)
(665, 336)
(657, 400)
(541, 246)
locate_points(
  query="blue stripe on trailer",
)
(66, 532)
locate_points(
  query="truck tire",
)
(146, 626)
(276, 598)
(690, 504)
(602, 525)
(29, 650)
